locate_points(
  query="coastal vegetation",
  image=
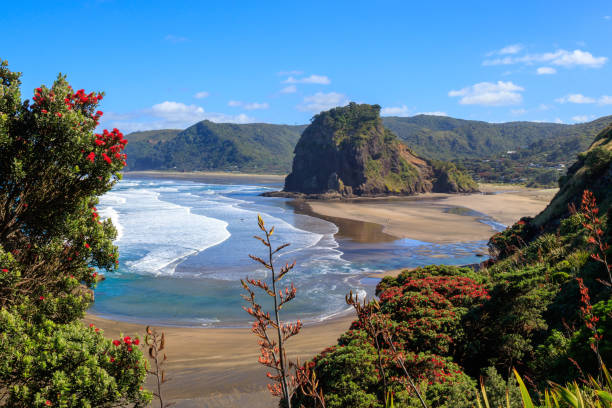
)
(53, 247)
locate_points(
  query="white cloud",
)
(289, 89)
(582, 118)
(176, 111)
(543, 107)
(575, 98)
(579, 98)
(561, 58)
(201, 95)
(312, 79)
(558, 120)
(518, 112)
(256, 105)
(605, 100)
(546, 71)
(169, 115)
(509, 49)
(436, 113)
(490, 94)
(292, 72)
(175, 38)
(248, 105)
(323, 101)
(395, 111)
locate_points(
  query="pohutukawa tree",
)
(53, 167)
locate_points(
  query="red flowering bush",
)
(53, 167)
(404, 344)
(427, 311)
(350, 375)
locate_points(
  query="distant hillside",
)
(527, 152)
(143, 148)
(592, 171)
(255, 147)
(446, 138)
(347, 151)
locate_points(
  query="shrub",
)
(67, 365)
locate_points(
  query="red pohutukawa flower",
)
(113, 143)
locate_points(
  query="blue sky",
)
(171, 64)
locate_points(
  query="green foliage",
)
(52, 246)
(449, 178)
(66, 365)
(581, 341)
(497, 388)
(595, 394)
(49, 232)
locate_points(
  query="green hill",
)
(254, 147)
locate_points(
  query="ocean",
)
(184, 247)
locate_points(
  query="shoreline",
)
(215, 367)
(210, 176)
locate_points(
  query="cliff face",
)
(347, 150)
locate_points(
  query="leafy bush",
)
(67, 365)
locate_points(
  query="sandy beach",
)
(218, 368)
(214, 367)
(440, 218)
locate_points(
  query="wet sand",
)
(434, 217)
(218, 367)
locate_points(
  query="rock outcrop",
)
(347, 151)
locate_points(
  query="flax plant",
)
(271, 331)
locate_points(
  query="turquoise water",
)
(184, 247)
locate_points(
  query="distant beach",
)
(211, 176)
(217, 367)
